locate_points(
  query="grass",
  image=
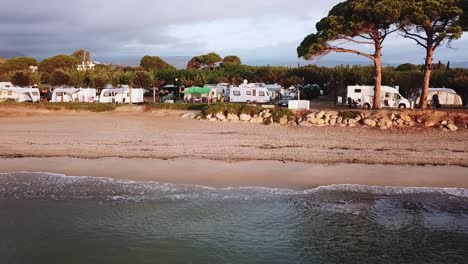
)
(91, 107)
(177, 106)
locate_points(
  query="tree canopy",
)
(151, 63)
(20, 78)
(17, 64)
(58, 62)
(203, 61)
(231, 60)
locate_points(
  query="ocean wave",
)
(40, 185)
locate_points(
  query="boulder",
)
(339, 120)
(452, 127)
(283, 120)
(256, 120)
(405, 117)
(188, 115)
(430, 124)
(213, 119)
(320, 122)
(332, 113)
(245, 117)
(220, 116)
(444, 123)
(313, 120)
(232, 118)
(333, 121)
(267, 115)
(209, 116)
(400, 122)
(369, 122)
(352, 122)
(320, 114)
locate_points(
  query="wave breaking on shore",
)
(40, 185)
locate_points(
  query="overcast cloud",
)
(260, 31)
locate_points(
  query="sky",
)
(116, 31)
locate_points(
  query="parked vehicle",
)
(363, 96)
(446, 97)
(81, 95)
(18, 94)
(285, 101)
(122, 96)
(248, 93)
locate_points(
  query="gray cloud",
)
(113, 29)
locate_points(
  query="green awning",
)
(197, 90)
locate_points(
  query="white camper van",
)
(363, 96)
(18, 94)
(81, 95)
(122, 96)
(248, 93)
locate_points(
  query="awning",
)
(197, 90)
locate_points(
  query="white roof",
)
(67, 90)
(116, 90)
(20, 90)
(447, 90)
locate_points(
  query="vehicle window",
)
(107, 94)
(397, 96)
(261, 93)
(248, 93)
(35, 94)
(128, 94)
(236, 93)
(10, 93)
(387, 95)
(357, 90)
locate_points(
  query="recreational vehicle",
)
(363, 96)
(74, 95)
(446, 97)
(122, 96)
(18, 94)
(248, 93)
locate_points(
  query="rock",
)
(358, 118)
(352, 122)
(209, 116)
(405, 117)
(245, 117)
(213, 119)
(430, 124)
(256, 120)
(419, 120)
(400, 122)
(232, 118)
(369, 122)
(292, 123)
(444, 123)
(313, 120)
(331, 113)
(320, 114)
(220, 116)
(339, 120)
(327, 120)
(305, 124)
(284, 120)
(188, 115)
(267, 115)
(452, 127)
(333, 122)
(320, 122)
(383, 128)
(392, 117)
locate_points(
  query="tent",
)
(197, 90)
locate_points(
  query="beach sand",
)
(161, 146)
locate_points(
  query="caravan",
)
(18, 94)
(74, 95)
(122, 96)
(248, 93)
(363, 96)
(447, 98)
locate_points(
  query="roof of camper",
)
(20, 90)
(447, 90)
(67, 90)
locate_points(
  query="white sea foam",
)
(59, 186)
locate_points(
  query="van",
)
(363, 96)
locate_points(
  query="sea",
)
(48, 218)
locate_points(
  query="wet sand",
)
(162, 146)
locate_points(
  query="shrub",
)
(349, 114)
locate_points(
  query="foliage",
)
(64, 62)
(349, 114)
(20, 78)
(17, 64)
(204, 61)
(143, 79)
(408, 67)
(279, 113)
(151, 63)
(60, 77)
(231, 60)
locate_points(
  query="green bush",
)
(349, 114)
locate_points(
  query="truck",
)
(363, 96)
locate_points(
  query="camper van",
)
(122, 96)
(248, 93)
(447, 97)
(363, 96)
(18, 94)
(81, 95)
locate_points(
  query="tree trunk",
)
(427, 77)
(378, 76)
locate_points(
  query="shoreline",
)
(270, 174)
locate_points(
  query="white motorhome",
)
(122, 95)
(363, 96)
(82, 95)
(447, 97)
(248, 93)
(18, 94)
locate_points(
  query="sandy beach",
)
(161, 146)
